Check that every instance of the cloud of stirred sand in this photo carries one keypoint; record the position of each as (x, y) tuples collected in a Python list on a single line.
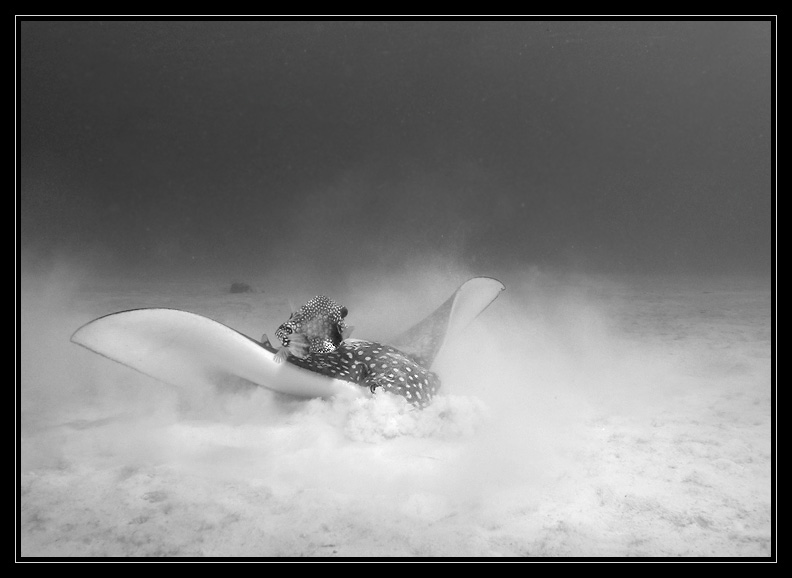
[(520, 386)]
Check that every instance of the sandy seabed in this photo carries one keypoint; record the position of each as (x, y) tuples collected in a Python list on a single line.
[(579, 417)]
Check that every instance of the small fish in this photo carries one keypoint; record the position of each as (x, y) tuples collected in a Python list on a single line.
[(318, 327)]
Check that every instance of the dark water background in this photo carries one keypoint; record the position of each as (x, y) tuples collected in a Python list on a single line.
[(177, 148)]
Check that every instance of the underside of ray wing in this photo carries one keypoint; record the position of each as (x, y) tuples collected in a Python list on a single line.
[(426, 339)]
